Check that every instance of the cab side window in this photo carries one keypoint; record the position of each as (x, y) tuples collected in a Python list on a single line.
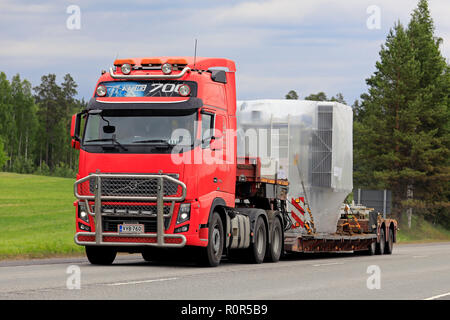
[(207, 128)]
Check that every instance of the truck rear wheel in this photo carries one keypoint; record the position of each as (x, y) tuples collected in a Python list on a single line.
[(276, 244), (382, 244), (212, 254), (100, 255), (390, 242), (258, 247)]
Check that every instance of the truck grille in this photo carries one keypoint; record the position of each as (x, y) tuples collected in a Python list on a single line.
[(138, 187)]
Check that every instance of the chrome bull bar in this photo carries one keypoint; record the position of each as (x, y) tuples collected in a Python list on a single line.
[(160, 198)]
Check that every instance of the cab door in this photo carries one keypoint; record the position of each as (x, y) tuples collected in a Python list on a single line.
[(213, 167)]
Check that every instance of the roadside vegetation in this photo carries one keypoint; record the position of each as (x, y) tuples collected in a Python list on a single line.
[(37, 216), (421, 231)]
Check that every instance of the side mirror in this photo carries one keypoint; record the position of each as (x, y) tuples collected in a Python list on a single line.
[(109, 129), (75, 130), (76, 144)]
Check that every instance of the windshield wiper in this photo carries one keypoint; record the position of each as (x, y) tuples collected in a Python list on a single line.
[(160, 141), (113, 140)]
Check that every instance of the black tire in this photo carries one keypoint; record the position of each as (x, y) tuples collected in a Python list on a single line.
[(258, 247), (372, 248), (212, 254), (147, 255), (275, 247), (382, 244), (370, 251), (153, 254), (100, 255), (389, 243)]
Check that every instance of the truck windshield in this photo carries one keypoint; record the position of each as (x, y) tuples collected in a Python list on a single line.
[(123, 127)]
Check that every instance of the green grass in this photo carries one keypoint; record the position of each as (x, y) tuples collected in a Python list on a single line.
[(37, 218), (421, 231)]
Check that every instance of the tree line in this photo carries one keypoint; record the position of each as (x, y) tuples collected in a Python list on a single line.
[(34, 125), (401, 130)]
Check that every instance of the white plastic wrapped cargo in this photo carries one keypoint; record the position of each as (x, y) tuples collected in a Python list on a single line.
[(307, 137)]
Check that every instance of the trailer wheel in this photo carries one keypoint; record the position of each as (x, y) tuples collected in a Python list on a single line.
[(390, 243), (276, 245), (100, 255), (212, 254), (372, 248), (382, 244), (258, 247)]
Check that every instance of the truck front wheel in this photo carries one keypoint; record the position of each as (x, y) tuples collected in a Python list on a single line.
[(212, 254), (100, 255)]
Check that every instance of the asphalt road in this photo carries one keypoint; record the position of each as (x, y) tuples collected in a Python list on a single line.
[(415, 271)]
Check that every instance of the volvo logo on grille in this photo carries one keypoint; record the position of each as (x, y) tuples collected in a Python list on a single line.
[(132, 185)]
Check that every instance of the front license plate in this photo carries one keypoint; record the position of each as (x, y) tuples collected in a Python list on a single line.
[(130, 228)]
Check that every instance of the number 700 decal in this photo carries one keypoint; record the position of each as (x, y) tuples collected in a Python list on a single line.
[(165, 87)]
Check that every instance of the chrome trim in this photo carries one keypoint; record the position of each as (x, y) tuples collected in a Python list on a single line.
[(149, 76), (159, 199), (130, 198), (115, 234)]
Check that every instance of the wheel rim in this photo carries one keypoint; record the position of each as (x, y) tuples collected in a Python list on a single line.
[(216, 240), (276, 240), (391, 241), (373, 247), (382, 242), (260, 241)]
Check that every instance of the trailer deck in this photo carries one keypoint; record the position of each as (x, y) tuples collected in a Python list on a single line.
[(297, 242)]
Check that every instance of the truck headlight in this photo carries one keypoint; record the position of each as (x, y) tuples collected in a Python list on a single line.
[(82, 212), (184, 213)]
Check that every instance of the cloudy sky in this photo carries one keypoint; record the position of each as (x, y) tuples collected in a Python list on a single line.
[(278, 45)]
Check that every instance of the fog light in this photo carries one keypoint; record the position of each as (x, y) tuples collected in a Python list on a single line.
[(184, 228), (166, 68), (84, 227), (126, 68), (101, 91)]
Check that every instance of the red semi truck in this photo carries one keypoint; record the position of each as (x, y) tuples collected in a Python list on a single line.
[(158, 169)]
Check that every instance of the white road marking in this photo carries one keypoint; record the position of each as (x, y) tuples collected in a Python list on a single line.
[(138, 282), (420, 256), (327, 264), (439, 296)]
